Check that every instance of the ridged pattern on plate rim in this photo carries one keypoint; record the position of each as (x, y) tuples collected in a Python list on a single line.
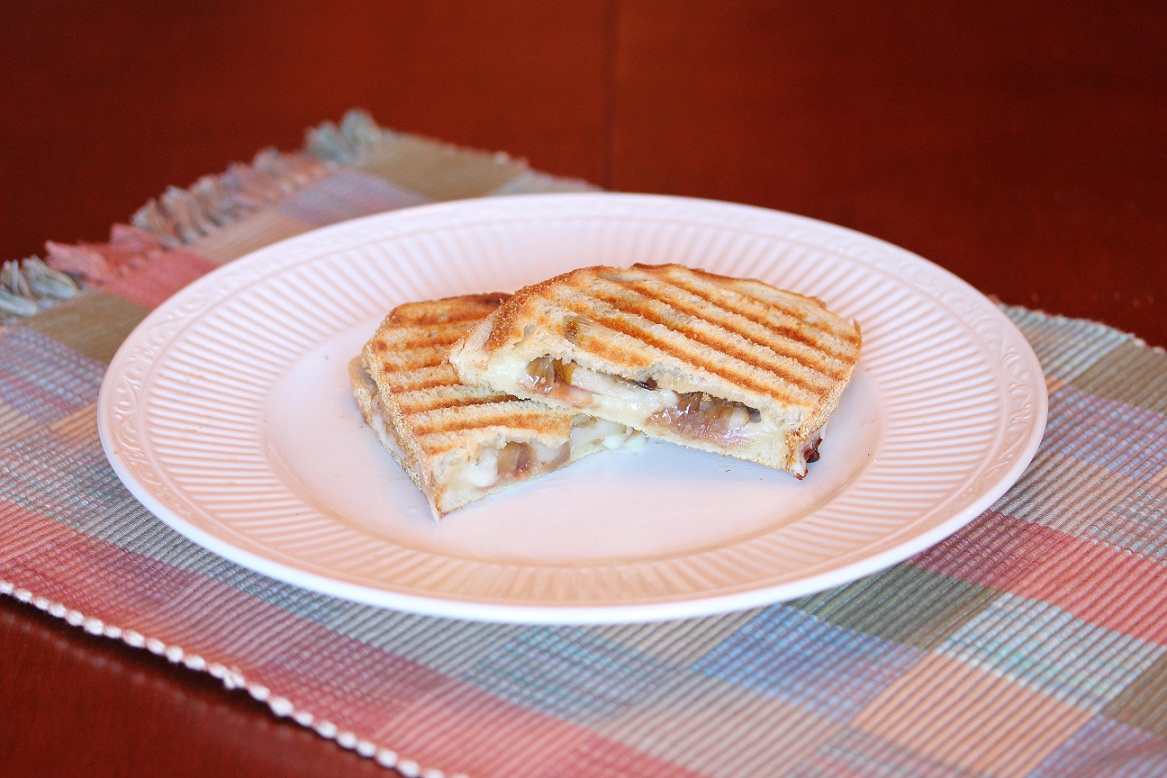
[(948, 446)]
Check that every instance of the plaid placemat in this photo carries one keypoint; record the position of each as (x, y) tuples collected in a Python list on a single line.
[(1031, 643)]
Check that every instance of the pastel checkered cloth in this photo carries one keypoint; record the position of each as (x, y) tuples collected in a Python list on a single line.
[(1032, 643)]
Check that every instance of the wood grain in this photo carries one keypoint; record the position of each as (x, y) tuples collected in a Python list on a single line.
[(74, 704), (107, 104), (1020, 145)]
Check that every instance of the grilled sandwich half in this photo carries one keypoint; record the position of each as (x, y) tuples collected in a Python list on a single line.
[(726, 365), (456, 441)]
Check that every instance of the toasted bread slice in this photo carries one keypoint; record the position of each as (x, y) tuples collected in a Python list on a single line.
[(459, 442), (721, 364)]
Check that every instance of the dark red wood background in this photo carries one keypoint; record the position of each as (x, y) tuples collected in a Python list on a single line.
[(1021, 145)]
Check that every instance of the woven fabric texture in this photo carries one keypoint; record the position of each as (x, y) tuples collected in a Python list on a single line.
[(1031, 643)]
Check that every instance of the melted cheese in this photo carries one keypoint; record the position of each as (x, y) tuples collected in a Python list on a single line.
[(721, 422), (587, 435)]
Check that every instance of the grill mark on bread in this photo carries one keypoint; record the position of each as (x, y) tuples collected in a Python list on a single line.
[(403, 359), (425, 401), (712, 330), (510, 414), (426, 341), (423, 378), (840, 344), (783, 342), (622, 325), (410, 360), (750, 307), (724, 348), (758, 289), (438, 336)]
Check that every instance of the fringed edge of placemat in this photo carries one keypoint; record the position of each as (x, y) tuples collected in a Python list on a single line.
[(231, 678), (31, 285), (28, 286), (181, 216)]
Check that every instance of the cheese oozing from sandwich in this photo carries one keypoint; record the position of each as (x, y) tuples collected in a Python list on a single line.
[(515, 460)]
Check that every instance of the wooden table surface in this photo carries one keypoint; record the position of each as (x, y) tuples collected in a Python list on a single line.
[(1022, 146)]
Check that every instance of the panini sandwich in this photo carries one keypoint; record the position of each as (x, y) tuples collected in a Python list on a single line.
[(459, 442), (727, 365)]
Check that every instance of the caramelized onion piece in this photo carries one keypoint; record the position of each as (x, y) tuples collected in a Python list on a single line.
[(811, 450), (515, 460), (520, 460), (699, 416), (552, 377), (540, 375)]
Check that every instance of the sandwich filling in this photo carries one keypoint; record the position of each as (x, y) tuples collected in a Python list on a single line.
[(693, 415), (516, 460), (513, 460)]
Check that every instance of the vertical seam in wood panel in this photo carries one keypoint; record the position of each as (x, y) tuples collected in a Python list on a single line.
[(611, 42)]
